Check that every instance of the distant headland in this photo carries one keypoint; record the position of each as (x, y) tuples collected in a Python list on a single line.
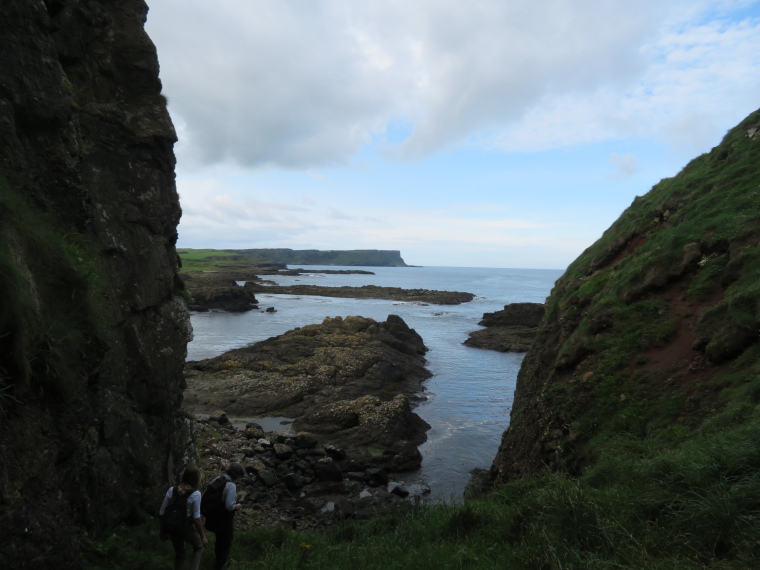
[(349, 257)]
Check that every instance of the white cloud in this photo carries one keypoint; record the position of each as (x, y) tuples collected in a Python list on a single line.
[(625, 165), (257, 86), (300, 84)]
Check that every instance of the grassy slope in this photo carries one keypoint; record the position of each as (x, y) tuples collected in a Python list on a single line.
[(213, 259), (649, 368), (655, 327)]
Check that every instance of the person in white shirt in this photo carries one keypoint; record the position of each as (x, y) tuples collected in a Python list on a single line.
[(194, 533)]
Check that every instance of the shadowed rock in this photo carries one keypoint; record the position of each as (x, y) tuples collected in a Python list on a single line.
[(509, 330)]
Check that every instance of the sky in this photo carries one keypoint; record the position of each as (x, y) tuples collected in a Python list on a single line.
[(486, 133)]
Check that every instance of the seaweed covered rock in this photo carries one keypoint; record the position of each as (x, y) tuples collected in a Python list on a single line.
[(350, 381)]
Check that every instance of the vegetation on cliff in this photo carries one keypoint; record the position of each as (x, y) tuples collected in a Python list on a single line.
[(641, 394), (654, 328), (93, 329), (43, 342), (195, 258)]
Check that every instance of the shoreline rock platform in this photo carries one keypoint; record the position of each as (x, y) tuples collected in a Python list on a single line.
[(510, 330), (350, 382), (295, 480), (427, 296)]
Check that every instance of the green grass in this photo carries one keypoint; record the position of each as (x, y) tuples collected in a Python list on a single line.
[(701, 228), (667, 476), (683, 500), (50, 316), (213, 259)]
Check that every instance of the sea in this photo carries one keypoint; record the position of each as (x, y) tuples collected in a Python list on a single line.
[(468, 399)]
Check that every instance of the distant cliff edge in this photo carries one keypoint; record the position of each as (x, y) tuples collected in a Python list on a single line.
[(358, 257), (93, 326)]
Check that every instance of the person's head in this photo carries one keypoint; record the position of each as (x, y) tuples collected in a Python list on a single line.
[(236, 471), (192, 476)]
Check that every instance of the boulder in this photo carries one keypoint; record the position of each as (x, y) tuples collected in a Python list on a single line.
[(327, 470)]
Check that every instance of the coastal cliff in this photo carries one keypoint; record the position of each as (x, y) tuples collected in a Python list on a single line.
[(365, 257), (654, 328), (93, 326)]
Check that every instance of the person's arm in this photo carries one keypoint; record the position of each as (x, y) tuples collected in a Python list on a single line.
[(196, 513), (201, 531), (167, 497), (230, 494)]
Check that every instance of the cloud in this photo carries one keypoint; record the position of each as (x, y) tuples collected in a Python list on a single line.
[(302, 85), (625, 164), (699, 77)]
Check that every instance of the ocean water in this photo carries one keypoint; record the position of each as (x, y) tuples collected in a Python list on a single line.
[(468, 399)]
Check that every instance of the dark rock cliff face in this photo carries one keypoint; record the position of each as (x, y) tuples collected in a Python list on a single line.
[(93, 329), (655, 326)]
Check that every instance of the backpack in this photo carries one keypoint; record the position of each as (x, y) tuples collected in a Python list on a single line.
[(212, 504), (174, 521)]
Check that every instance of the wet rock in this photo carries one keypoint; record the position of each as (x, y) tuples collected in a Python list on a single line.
[(304, 441), (327, 470), (399, 491), (293, 481), (282, 470), (267, 477), (283, 451), (376, 477), (217, 291), (509, 330), (219, 417), (420, 296), (334, 452)]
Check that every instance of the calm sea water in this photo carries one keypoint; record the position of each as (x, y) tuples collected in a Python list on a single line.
[(469, 397)]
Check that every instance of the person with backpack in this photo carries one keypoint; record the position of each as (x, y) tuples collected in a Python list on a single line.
[(180, 517), (219, 506)]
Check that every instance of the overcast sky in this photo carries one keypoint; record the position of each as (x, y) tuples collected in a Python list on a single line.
[(490, 133)]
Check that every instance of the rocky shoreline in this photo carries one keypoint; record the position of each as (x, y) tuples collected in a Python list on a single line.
[(295, 480), (426, 296), (350, 382), (221, 290), (510, 330), (350, 386)]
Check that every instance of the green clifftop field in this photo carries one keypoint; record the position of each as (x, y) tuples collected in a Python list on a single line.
[(202, 258), (635, 434)]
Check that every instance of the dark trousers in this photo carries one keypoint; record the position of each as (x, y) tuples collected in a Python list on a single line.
[(223, 544)]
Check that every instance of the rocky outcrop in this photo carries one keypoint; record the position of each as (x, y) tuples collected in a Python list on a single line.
[(653, 327), (219, 290), (351, 382), (368, 292), (510, 330), (93, 327), (296, 480), (365, 257)]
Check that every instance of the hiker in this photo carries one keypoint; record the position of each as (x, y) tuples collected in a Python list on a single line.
[(183, 525), (219, 508)]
